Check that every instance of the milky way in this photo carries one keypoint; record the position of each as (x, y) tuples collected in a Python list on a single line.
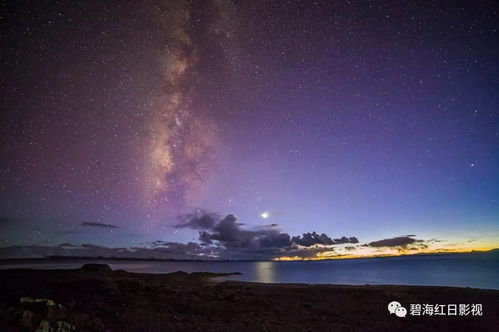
[(183, 139)]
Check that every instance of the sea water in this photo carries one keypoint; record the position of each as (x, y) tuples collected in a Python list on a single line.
[(461, 270)]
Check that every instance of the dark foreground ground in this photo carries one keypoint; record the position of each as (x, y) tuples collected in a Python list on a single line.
[(95, 298)]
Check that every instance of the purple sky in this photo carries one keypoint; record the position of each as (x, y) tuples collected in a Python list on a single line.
[(366, 119)]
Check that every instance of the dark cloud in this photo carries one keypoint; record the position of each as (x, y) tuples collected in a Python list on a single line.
[(435, 241), (229, 234), (399, 241), (236, 245), (97, 224), (345, 239), (418, 247), (310, 239), (198, 220), (158, 243), (230, 240)]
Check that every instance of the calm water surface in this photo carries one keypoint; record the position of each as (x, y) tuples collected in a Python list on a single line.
[(478, 271)]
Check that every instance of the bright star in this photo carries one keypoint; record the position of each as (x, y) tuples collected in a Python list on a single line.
[(265, 215)]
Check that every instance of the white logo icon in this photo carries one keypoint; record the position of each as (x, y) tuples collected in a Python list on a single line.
[(392, 306), (400, 312), (396, 308)]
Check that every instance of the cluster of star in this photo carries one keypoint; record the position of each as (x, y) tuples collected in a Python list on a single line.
[(329, 116)]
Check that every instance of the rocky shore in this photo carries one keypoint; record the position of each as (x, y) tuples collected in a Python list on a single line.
[(95, 298)]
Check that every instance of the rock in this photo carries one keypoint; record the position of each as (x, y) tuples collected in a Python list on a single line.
[(38, 306), (65, 327), (44, 326), (96, 268), (29, 320), (121, 273), (59, 326), (46, 302)]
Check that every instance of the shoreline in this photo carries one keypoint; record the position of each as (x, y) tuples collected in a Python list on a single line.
[(96, 298), (492, 251)]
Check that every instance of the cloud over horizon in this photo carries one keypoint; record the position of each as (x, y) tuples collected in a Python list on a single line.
[(398, 241), (232, 240), (225, 238), (309, 239)]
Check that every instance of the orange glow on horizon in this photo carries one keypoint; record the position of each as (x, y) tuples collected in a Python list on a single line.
[(322, 256)]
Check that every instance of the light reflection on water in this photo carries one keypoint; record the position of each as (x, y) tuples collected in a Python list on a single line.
[(264, 271), (479, 271)]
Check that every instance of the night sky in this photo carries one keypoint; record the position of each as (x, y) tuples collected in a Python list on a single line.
[(237, 128)]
